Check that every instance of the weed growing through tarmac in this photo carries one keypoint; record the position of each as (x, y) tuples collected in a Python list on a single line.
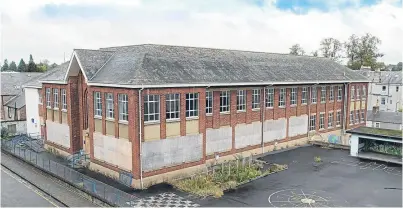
[(317, 159)]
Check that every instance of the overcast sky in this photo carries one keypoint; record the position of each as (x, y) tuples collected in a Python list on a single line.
[(49, 29)]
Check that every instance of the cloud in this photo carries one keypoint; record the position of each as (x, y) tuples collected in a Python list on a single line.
[(48, 30)]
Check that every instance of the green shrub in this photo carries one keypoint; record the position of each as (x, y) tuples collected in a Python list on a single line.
[(317, 159), (200, 185)]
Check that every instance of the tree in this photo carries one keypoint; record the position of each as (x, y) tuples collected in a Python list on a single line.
[(362, 51), (53, 66), (31, 65), (380, 65), (398, 67), (331, 48), (5, 66), (13, 66), (296, 49), (352, 48), (22, 67), (315, 53)]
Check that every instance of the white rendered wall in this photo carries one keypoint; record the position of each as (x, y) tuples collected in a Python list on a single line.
[(353, 145), (32, 113), (218, 140), (58, 133), (274, 129), (248, 134), (298, 125)]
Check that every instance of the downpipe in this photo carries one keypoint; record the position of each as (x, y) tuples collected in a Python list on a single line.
[(263, 116), (140, 138), (343, 130)]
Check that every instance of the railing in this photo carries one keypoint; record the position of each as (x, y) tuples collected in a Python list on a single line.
[(95, 188)]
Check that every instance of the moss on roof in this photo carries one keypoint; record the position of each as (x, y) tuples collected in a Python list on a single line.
[(378, 131)]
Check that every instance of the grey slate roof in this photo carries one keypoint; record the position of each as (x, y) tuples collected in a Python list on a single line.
[(385, 117), (11, 82), (383, 77), (55, 74), (161, 64), (16, 102)]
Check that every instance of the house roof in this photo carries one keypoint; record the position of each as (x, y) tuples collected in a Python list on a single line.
[(11, 82), (385, 117), (383, 77), (379, 132), (55, 74), (16, 102), (179, 65)]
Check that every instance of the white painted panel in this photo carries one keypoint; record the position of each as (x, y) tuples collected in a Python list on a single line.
[(353, 145), (274, 129), (58, 133), (298, 125), (218, 140), (248, 134), (33, 124)]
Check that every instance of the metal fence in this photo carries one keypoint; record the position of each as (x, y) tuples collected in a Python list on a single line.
[(106, 193)]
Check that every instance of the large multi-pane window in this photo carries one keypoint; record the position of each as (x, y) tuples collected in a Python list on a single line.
[(331, 93), (109, 105), (304, 95), (323, 94), (192, 105), (97, 104), (358, 93), (209, 102), (312, 123), (48, 103), (293, 95), (123, 107), (357, 117), (270, 97), (338, 118), (151, 108), (321, 120), (362, 115), (241, 100), (351, 117), (281, 98), (256, 99), (56, 98), (64, 99), (339, 93), (224, 101), (364, 93), (172, 106), (314, 94), (352, 93), (330, 120)]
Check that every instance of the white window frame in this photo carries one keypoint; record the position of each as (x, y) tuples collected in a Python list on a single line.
[(110, 112), (331, 93), (339, 93), (357, 117), (364, 93), (123, 105), (314, 94), (304, 95), (56, 99), (192, 105), (321, 121), (338, 118), (209, 102), (172, 106), (330, 119), (383, 101), (152, 100), (97, 104), (323, 94), (255, 99), (225, 97), (270, 98), (397, 88), (312, 122), (64, 99), (40, 96), (281, 97), (377, 124), (351, 117), (358, 97), (352, 93), (241, 100), (362, 118), (293, 96), (48, 101)]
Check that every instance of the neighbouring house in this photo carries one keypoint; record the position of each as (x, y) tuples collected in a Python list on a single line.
[(158, 111), (385, 120), (385, 89), (13, 112)]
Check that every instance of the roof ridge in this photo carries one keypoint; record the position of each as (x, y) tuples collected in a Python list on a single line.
[(95, 50)]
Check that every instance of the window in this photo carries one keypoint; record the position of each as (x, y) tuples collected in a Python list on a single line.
[(383, 88), (270, 97), (314, 94), (172, 106), (241, 100), (64, 99), (97, 104), (224, 101), (293, 99), (123, 107), (56, 98), (352, 93), (377, 125), (383, 100), (312, 123), (304, 95), (48, 103), (358, 93), (40, 96), (351, 117), (364, 93), (256, 99), (109, 105), (330, 120), (339, 93), (338, 118), (331, 93), (362, 116), (151, 108), (209, 102), (397, 88), (357, 116), (390, 101), (281, 99), (192, 105), (323, 94), (321, 120)]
